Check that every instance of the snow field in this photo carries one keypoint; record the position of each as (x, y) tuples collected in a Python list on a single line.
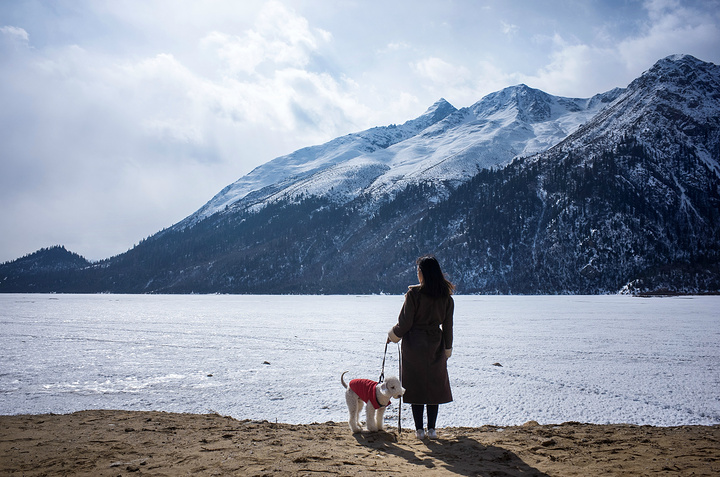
[(598, 359)]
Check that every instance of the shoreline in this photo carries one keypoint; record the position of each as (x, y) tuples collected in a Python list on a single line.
[(112, 443)]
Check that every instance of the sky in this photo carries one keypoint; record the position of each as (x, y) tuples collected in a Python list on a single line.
[(119, 118)]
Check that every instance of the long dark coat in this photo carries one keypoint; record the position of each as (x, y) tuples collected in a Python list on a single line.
[(425, 326)]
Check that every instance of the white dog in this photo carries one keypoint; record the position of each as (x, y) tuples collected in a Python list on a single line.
[(376, 396)]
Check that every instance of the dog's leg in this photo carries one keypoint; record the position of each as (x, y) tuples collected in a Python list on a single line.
[(352, 403), (370, 412), (360, 405), (379, 418)]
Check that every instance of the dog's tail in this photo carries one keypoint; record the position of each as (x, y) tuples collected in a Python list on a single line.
[(342, 379)]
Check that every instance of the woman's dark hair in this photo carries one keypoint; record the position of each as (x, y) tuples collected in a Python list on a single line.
[(434, 282)]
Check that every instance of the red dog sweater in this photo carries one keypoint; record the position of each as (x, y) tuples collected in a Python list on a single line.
[(365, 389)]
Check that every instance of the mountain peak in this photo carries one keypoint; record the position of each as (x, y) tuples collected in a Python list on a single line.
[(680, 76), (680, 58), (442, 102), (522, 88), (439, 110), (523, 102), (679, 69), (679, 63)]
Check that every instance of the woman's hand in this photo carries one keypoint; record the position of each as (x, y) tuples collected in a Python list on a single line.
[(392, 337)]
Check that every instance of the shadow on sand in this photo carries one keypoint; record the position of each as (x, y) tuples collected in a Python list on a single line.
[(460, 455)]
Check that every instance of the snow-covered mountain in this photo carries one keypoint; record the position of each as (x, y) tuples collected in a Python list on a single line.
[(443, 146), (634, 192), (280, 175), (522, 192), (677, 96)]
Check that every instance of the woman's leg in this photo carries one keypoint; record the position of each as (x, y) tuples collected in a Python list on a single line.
[(432, 411), (417, 410)]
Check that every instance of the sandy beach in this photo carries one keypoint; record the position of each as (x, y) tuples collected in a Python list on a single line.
[(114, 443)]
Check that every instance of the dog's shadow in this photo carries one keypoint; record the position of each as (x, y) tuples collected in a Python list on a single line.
[(460, 455)]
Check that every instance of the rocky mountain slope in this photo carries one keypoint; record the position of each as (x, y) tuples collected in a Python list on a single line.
[(522, 192)]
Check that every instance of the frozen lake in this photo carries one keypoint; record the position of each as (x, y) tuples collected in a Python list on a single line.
[(597, 359)]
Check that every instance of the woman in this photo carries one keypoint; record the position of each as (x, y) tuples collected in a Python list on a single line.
[(425, 326)]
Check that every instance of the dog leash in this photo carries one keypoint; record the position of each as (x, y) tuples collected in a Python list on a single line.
[(382, 370), (400, 400), (382, 377)]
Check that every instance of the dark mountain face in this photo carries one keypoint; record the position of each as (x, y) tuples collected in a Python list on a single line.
[(630, 201), (50, 259), (41, 271)]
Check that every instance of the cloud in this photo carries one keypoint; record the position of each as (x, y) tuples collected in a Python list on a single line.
[(509, 29), (80, 167), (279, 39), (129, 144), (574, 69), (674, 27), (490, 78), (16, 33), (394, 46), (443, 79), (440, 71), (583, 68), (269, 77), (259, 77)]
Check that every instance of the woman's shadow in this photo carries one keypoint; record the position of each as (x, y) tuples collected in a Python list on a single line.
[(461, 455)]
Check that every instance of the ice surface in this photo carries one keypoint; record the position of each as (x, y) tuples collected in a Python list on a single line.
[(599, 359)]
